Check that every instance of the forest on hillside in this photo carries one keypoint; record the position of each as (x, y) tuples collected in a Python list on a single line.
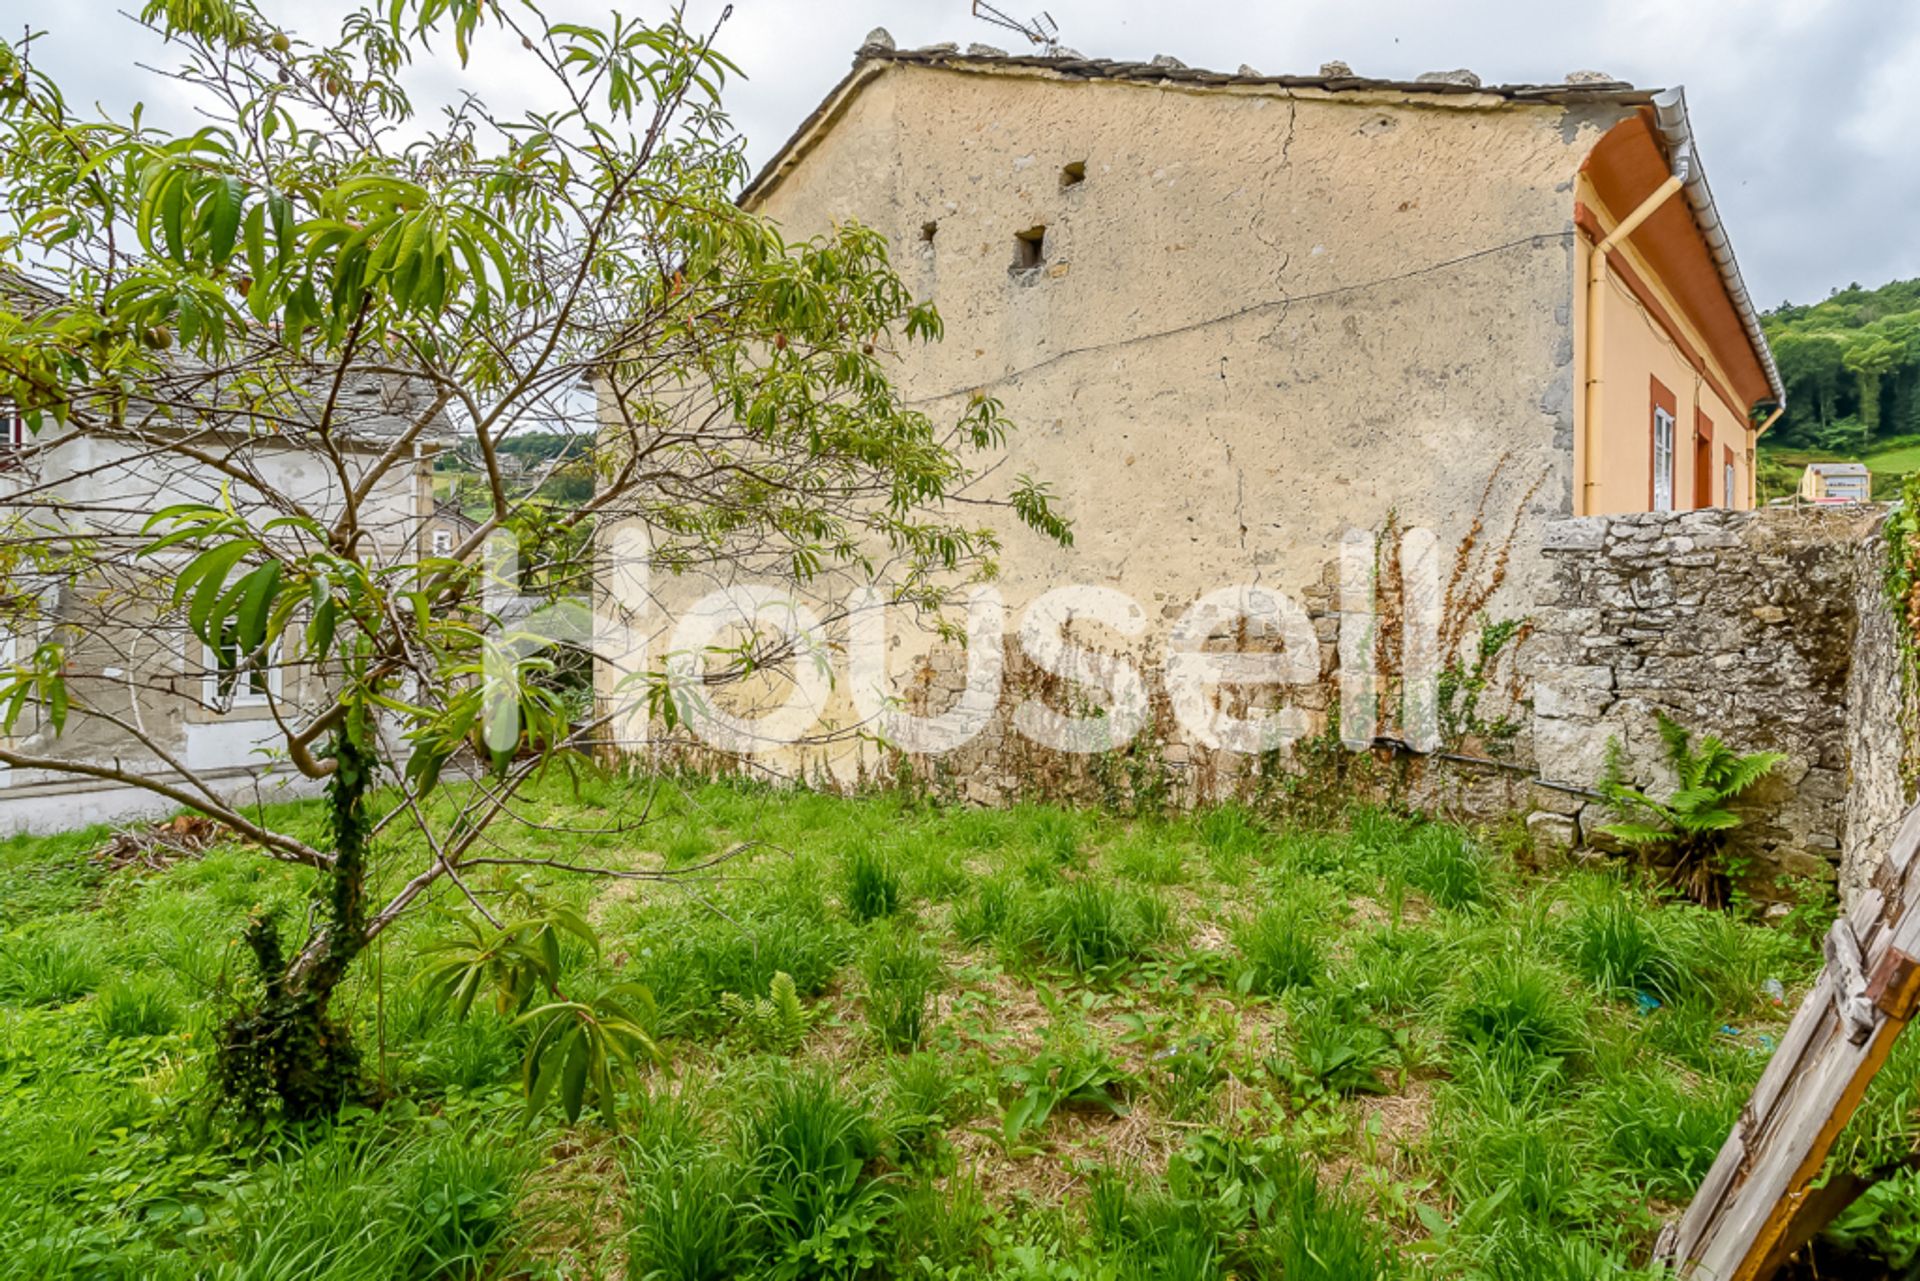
[(1852, 369)]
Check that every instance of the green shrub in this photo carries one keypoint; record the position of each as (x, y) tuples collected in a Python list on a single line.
[(899, 975), (1687, 830), (871, 888)]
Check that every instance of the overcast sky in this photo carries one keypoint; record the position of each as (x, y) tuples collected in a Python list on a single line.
[(1807, 111)]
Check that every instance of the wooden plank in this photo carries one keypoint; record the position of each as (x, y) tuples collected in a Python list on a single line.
[(1756, 1205)]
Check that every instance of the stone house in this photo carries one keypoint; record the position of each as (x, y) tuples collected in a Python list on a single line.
[(128, 656)]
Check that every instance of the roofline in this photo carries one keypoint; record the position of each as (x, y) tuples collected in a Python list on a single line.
[(1676, 132), (872, 60), (1669, 108)]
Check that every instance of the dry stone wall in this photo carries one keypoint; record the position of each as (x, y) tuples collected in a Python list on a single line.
[(1767, 628)]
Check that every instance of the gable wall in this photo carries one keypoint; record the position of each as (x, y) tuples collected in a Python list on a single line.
[(1194, 447)]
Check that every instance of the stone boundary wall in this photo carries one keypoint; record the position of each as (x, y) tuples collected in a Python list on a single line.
[(1768, 628)]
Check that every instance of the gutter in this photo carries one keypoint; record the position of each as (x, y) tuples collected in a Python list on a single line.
[(1676, 131)]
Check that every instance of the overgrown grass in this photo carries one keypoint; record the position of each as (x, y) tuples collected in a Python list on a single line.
[(1033, 1043)]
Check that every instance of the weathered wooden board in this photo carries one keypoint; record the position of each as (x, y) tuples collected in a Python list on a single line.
[(1754, 1208)]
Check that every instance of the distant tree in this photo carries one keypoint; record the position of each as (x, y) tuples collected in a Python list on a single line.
[(310, 230), (1869, 360), (1851, 365)]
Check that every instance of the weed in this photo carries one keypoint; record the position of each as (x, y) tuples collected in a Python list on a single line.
[(1090, 926), (1280, 949), (871, 888), (1618, 945), (1312, 1234), (137, 1006), (688, 1216), (1335, 1050), (899, 975), (1515, 1011), (1447, 866), (1145, 855), (1072, 1071), (819, 1209), (926, 1096), (1394, 968), (992, 914), (775, 1023), (48, 967)]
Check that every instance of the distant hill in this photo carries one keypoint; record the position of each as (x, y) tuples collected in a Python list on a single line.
[(1851, 365)]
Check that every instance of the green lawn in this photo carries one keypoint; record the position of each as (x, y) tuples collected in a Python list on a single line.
[(1028, 1044)]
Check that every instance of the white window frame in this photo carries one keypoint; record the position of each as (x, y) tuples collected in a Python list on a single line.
[(224, 688), (1663, 433), (1727, 469), (14, 436)]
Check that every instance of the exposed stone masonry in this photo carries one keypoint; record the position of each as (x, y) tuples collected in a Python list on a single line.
[(1748, 625)]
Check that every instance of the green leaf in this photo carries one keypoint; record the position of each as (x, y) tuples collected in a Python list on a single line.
[(573, 1084), (255, 602)]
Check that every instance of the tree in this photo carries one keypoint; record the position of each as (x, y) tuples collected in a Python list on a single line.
[(197, 303), (1869, 360)]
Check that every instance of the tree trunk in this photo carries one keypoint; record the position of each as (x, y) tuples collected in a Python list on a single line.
[(286, 1055)]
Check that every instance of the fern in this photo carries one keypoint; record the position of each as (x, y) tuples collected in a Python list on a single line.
[(1688, 828), (775, 1023)]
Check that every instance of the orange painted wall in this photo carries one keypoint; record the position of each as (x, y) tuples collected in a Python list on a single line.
[(1639, 345)]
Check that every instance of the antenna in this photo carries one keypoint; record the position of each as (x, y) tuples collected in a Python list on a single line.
[(1042, 30)]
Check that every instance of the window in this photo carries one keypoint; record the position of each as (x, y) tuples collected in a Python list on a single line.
[(232, 681), (14, 435), (1727, 472), (442, 542), (1662, 459)]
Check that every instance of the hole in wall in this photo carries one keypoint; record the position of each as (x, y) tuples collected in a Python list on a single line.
[(1030, 249), (928, 230), (1073, 175)]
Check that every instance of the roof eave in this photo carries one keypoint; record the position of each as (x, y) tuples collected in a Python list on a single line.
[(1676, 133)]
